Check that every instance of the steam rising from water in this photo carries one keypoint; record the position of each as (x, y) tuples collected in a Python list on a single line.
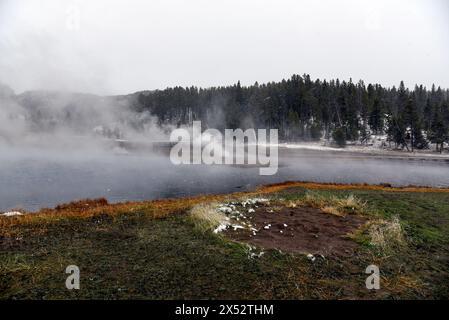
[(69, 121), (36, 179), (58, 147)]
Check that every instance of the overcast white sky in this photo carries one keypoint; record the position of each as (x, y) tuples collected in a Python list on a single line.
[(118, 46)]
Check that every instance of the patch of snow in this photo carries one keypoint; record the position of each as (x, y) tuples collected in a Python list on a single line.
[(311, 257), (376, 145), (310, 146), (12, 214), (254, 201), (255, 255), (221, 227), (225, 209)]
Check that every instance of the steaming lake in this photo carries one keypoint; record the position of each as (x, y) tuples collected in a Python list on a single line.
[(32, 180)]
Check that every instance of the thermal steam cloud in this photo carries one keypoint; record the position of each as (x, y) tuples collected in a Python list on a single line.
[(59, 120)]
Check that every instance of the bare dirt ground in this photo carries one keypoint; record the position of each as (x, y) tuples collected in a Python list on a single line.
[(301, 230)]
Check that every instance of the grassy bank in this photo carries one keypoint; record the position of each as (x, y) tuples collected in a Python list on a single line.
[(159, 250)]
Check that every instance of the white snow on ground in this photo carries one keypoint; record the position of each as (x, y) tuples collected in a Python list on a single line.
[(12, 213), (377, 145), (233, 214), (253, 255), (221, 227), (310, 146), (311, 257), (254, 201), (225, 209)]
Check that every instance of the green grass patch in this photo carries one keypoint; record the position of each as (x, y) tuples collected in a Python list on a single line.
[(134, 255)]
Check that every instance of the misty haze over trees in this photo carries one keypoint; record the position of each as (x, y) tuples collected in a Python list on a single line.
[(305, 110), (301, 108)]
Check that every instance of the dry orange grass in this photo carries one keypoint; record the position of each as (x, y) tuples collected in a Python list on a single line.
[(91, 208), (161, 208), (334, 186)]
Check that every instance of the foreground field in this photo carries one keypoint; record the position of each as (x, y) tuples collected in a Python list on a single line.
[(289, 241)]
